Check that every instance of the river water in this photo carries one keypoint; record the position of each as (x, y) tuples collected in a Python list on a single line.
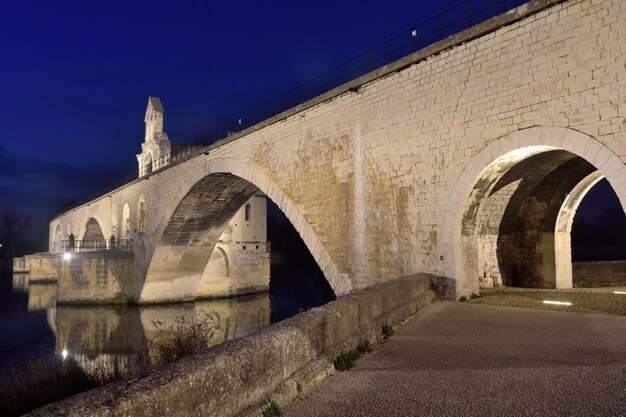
[(32, 326)]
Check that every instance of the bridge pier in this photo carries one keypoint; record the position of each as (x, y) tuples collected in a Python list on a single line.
[(98, 277)]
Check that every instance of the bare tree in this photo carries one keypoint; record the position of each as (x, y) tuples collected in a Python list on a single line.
[(14, 225)]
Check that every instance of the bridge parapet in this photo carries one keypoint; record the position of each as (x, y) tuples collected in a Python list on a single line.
[(64, 246)]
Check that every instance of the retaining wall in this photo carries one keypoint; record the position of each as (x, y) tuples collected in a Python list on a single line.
[(43, 266), (239, 377), (599, 273)]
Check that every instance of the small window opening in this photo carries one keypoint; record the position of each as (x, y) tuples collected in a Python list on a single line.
[(247, 212)]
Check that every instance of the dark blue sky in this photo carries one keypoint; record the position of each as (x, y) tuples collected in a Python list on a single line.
[(76, 75)]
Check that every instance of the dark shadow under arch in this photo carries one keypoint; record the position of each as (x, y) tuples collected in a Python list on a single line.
[(191, 234), (93, 238)]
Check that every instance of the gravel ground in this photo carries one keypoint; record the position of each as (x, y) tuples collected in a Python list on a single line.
[(464, 359)]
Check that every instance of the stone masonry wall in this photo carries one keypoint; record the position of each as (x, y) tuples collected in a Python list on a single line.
[(96, 277), (374, 178), (43, 266), (599, 274)]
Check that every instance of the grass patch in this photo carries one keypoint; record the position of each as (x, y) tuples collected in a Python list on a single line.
[(27, 385), (347, 360), (364, 347), (388, 331), (183, 338), (30, 385), (272, 410)]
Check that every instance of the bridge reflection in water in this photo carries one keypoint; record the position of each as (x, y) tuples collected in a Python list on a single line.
[(100, 337)]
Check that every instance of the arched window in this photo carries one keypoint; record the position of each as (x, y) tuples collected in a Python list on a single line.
[(114, 220), (126, 222), (141, 215), (58, 237), (246, 214)]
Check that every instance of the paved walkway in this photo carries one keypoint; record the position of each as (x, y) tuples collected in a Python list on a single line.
[(464, 359)]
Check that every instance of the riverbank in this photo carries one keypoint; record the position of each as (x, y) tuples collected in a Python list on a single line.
[(245, 374)]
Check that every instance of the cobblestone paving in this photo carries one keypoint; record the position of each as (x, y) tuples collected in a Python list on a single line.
[(584, 300)]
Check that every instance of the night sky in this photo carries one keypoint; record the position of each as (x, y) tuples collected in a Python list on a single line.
[(76, 75)]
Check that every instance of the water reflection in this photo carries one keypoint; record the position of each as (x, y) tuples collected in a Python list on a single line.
[(21, 282), (96, 337), (42, 296)]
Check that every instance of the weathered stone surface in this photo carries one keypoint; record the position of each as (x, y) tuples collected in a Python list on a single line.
[(96, 277), (243, 373), (599, 274), (43, 266)]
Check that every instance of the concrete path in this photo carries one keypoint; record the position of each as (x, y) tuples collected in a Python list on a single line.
[(463, 359)]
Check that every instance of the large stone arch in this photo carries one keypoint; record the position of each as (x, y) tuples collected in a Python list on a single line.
[(492, 171), (211, 197)]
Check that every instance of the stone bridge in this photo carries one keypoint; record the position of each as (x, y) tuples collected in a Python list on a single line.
[(466, 160)]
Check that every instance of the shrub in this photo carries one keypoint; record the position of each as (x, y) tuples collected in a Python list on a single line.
[(347, 360), (363, 347), (26, 385), (388, 331), (30, 385), (272, 410), (187, 336)]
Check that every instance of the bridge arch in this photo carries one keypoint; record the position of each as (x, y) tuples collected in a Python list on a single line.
[(216, 275), (92, 236), (509, 215), (211, 197), (125, 222)]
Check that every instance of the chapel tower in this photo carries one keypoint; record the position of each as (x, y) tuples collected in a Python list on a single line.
[(156, 148)]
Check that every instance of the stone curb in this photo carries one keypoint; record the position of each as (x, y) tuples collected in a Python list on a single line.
[(313, 374)]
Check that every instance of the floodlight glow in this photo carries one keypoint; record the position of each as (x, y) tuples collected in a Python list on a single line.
[(64, 353), (619, 292), (558, 303), (67, 256)]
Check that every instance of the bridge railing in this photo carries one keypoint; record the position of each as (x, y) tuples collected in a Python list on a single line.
[(454, 19), (82, 245), (182, 152)]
